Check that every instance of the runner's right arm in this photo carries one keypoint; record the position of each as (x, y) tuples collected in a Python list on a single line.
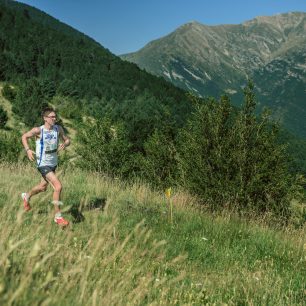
[(34, 132)]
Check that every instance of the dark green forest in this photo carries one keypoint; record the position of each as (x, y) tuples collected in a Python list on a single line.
[(131, 124), (44, 62)]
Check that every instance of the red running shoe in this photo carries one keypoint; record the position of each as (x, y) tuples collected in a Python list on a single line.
[(61, 221), (26, 204)]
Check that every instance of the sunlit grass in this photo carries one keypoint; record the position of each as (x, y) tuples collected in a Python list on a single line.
[(125, 250)]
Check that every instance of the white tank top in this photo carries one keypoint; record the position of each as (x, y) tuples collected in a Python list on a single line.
[(46, 147)]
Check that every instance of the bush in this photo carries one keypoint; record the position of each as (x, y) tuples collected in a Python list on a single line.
[(9, 92), (158, 163), (10, 146), (68, 108), (3, 118), (30, 100), (103, 147), (231, 158)]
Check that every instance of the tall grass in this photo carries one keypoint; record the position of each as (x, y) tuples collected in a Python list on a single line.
[(126, 252)]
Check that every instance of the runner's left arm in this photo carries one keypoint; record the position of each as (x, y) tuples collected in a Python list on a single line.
[(35, 132), (64, 138)]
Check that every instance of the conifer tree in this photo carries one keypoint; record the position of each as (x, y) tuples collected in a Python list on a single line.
[(232, 158)]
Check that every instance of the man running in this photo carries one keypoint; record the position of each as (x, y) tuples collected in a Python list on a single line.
[(47, 139)]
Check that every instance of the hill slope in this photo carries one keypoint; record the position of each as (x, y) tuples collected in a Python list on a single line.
[(128, 252), (44, 19), (211, 60)]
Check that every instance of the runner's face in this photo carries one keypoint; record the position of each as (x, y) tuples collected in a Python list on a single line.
[(51, 118)]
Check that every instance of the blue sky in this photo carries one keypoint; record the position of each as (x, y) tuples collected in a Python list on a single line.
[(125, 26)]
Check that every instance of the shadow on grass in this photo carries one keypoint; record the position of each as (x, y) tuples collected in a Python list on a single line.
[(96, 204), (76, 215), (76, 211)]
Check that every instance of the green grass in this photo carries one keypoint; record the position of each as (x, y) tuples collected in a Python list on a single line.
[(130, 253)]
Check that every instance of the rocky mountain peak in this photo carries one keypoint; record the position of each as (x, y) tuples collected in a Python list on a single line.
[(282, 22), (211, 60)]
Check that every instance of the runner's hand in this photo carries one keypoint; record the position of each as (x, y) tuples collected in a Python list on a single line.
[(61, 147), (31, 154)]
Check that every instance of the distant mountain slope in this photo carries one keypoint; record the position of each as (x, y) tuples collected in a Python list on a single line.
[(211, 60)]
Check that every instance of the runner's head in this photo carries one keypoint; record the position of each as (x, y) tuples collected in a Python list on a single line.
[(49, 116)]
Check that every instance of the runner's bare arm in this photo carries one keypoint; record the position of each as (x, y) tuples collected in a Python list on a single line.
[(65, 138), (34, 132)]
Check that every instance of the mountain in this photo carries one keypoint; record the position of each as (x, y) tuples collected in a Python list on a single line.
[(212, 60)]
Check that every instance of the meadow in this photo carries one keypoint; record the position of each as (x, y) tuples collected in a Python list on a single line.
[(122, 248)]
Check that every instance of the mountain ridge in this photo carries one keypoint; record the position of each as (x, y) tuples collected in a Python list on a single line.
[(212, 60)]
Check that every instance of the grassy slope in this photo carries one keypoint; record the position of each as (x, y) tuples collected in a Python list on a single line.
[(131, 253)]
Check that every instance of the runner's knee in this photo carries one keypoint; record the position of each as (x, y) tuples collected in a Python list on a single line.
[(43, 188), (58, 187)]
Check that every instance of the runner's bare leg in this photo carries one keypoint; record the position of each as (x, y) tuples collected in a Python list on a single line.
[(41, 187), (57, 188)]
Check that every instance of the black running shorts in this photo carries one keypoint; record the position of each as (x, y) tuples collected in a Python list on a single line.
[(44, 170)]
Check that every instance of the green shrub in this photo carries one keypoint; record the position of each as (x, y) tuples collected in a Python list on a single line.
[(8, 92), (158, 163), (103, 147), (3, 118), (31, 99), (10, 146), (68, 107), (232, 158)]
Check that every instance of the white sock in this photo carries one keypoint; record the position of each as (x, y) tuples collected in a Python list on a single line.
[(58, 215), (26, 195), (55, 202)]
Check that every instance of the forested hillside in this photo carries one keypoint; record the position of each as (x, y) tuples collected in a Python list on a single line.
[(46, 63)]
